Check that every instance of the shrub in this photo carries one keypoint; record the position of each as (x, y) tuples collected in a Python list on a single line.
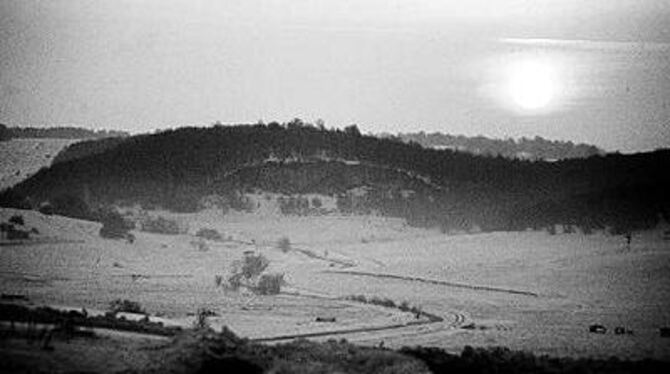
[(382, 302), (359, 298), (161, 225), (12, 233), (270, 284), (71, 206), (254, 265), (17, 220), (209, 234), (293, 205), (416, 310), (214, 202), (114, 226), (201, 318), (388, 303), (551, 229), (284, 244), (248, 273), (127, 306), (16, 234), (234, 282), (316, 203), (46, 209), (200, 245), (587, 230), (375, 300), (241, 203)]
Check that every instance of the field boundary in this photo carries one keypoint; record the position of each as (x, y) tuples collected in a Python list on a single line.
[(432, 281)]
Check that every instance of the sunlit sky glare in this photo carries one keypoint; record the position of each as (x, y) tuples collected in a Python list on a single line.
[(595, 71)]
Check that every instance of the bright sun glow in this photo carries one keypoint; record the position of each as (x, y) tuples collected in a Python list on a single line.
[(531, 84)]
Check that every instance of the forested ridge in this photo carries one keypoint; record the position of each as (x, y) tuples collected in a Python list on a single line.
[(536, 148), (453, 190)]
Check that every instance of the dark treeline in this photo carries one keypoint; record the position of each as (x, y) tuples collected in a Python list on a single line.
[(537, 148), (61, 132), (443, 188)]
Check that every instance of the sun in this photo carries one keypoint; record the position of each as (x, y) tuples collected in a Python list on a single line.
[(531, 85)]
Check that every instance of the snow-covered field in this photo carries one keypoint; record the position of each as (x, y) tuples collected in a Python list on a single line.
[(529, 291), (20, 158)]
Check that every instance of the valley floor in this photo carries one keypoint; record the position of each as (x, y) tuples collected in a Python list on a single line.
[(527, 291)]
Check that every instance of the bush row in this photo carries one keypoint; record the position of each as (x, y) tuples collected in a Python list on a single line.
[(19, 313), (388, 303)]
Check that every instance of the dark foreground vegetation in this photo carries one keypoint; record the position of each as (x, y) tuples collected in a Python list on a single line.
[(302, 356), (178, 169), (204, 351), (503, 360)]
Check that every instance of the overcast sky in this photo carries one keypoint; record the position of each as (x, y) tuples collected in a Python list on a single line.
[(386, 65)]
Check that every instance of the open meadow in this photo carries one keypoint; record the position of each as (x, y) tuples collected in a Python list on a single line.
[(527, 291)]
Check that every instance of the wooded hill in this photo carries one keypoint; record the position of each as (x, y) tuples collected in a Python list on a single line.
[(536, 148), (175, 169)]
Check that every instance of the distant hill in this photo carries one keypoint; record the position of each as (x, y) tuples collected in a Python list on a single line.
[(65, 132), (452, 190), (537, 148)]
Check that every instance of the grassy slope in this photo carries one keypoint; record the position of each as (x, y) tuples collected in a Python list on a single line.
[(20, 158), (69, 264)]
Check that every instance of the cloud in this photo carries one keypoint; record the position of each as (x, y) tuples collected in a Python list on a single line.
[(583, 44)]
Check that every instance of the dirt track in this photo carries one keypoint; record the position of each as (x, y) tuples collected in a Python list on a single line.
[(458, 319)]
